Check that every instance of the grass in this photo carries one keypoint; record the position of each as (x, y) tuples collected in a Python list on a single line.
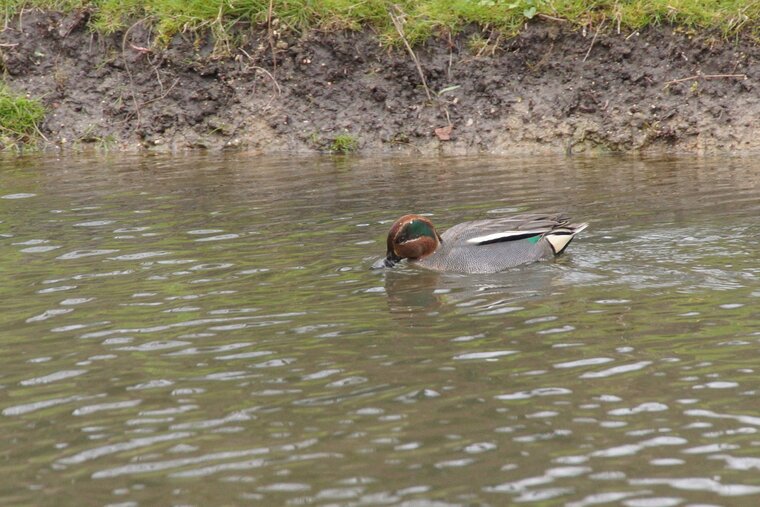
[(344, 143), (421, 18), (19, 118)]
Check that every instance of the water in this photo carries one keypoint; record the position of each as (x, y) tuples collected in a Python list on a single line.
[(206, 331)]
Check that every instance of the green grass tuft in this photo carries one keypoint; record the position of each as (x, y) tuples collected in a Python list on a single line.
[(344, 143), (19, 118), (421, 18)]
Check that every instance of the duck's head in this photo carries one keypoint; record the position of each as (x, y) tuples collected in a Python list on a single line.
[(411, 237)]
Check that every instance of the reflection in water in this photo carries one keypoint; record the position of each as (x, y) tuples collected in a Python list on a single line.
[(413, 290), (169, 319)]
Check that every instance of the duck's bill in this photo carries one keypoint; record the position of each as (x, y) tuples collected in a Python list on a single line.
[(385, 262)]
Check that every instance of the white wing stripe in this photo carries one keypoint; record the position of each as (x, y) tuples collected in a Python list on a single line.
[(503, 235)]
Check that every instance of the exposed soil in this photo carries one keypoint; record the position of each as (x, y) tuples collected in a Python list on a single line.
[(548, 90)]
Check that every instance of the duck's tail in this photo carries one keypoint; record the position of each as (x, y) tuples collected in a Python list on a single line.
[(560, 237)]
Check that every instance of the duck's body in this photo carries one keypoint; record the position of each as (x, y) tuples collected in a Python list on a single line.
[(481, 246)]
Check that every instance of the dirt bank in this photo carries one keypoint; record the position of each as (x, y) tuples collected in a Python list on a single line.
[(550, 89)]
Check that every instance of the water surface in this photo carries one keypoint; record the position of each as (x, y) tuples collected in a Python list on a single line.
[(207, 331)]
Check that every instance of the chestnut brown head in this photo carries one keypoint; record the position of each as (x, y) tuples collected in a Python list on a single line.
[(411, 237)]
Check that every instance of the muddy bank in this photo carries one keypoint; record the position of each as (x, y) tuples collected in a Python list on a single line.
[(548, 90)]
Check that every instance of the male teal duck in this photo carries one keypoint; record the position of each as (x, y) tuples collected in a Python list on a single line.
[(481, 246)]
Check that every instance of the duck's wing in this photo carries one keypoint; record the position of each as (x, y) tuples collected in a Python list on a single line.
[(555, 227), (503, 229)]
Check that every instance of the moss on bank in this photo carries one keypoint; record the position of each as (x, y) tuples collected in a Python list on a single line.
[(421, 18)]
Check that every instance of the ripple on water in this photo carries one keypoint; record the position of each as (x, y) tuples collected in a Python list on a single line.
[(60, 288), (584, 362), (151, 467), (654, 501), (244, 355), (151, 384), (320, 374), (488, 356), (53, 377), (643, 408), (631, 449), (48, 314), (616, 370), (717, 385), (155, 345), (607, 497), (139, 256), (40, 249), (108, 406), (710, 448), (219, 237), (700, 484), (745, 419), (134, 443), (26, 408), (541, 391), (201, 232), (79, 254), (94, 223), (211, 349), (555, 330), (17, 196)]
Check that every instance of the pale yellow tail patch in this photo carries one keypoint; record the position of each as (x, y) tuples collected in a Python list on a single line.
[(560, 241)]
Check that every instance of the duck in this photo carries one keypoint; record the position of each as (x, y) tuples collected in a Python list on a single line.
[(480, 246)]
